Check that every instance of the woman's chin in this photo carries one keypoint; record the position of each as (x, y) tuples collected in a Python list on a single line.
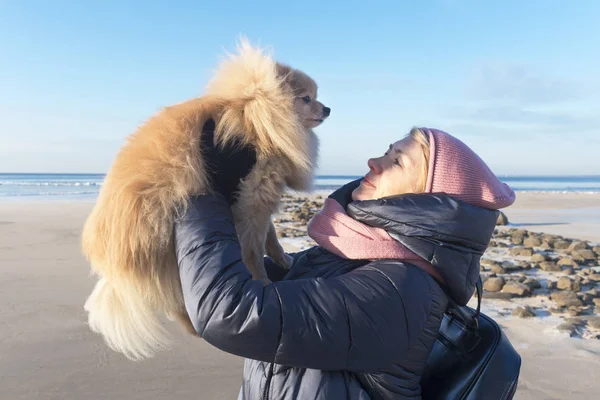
[(361, 193)]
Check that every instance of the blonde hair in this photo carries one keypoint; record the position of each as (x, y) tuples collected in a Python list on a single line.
[(423, 140)]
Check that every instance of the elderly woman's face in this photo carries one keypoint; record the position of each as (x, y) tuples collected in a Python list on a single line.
[(400, 170)]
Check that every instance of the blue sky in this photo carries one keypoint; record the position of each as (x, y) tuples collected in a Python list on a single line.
[(518, 81)]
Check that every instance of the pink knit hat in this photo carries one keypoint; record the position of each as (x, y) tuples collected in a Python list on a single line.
[(456, 170)]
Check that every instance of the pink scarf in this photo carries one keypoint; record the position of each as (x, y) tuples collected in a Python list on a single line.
[(333, 229)]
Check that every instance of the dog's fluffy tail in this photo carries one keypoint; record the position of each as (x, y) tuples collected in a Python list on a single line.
[(125, 320)]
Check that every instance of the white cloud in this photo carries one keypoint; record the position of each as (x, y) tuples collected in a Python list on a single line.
[(522, 85), (518, 98), (521, 121)]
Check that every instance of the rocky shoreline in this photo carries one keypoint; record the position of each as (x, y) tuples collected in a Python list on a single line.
[(295, 212), (561, 274), (526, 274)]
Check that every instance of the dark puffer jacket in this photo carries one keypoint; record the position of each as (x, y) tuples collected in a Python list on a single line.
[(332, 328)]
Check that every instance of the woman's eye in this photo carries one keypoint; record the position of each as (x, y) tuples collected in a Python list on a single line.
[(397, 162), (306, 99)]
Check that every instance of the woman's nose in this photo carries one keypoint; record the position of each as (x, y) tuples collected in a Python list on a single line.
[(374, 165)]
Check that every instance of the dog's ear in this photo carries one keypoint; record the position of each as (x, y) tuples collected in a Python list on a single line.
[(261, 95), (283, 71)]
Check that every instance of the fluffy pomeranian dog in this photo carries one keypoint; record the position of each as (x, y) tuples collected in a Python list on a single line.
[(128, 237)]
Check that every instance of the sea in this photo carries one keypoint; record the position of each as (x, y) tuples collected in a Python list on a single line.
[(87, 186)]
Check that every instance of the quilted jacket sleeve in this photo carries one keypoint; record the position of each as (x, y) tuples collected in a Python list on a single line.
[(354, 322)]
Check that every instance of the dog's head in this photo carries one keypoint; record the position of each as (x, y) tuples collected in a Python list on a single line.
[(268, 104), (310, 111)]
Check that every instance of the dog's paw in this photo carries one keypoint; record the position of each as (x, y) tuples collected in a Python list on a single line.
[(287, 261), (265, 281), (282, 259)]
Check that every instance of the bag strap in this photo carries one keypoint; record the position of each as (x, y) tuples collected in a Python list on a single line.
[(469, 319), (479, 287)]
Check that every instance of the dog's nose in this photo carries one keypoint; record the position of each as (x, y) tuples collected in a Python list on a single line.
[(326, 111)]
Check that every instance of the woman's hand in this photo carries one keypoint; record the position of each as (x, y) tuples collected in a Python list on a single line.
[(226, 166)]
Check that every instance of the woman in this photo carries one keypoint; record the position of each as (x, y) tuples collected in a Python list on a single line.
[(357, 315)]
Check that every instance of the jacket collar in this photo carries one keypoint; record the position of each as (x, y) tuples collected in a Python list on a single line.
[(450, 234)]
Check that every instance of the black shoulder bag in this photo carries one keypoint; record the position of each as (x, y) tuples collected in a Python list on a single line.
[(471, 359)]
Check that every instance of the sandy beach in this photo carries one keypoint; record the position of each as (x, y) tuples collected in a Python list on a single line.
[(568, 214), (47, 351)]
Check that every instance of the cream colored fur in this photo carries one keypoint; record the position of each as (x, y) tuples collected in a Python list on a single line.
[(128, 236)]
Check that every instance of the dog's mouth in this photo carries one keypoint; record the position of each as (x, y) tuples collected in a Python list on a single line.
[(318, 120)]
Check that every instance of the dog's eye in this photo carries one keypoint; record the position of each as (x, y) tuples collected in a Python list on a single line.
[(306, 99)]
